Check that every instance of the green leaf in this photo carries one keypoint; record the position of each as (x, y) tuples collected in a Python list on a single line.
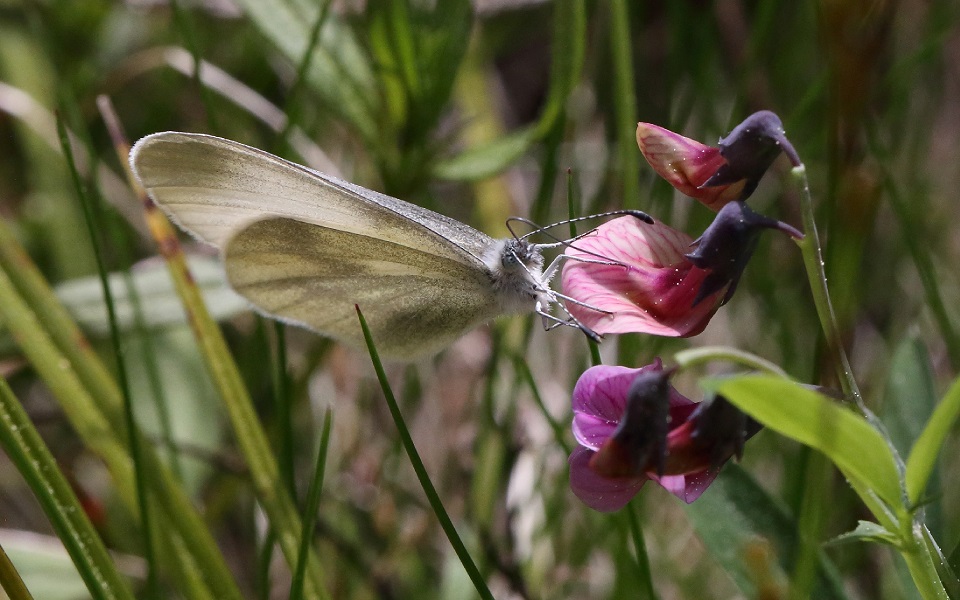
[(340, 71), (924, 454), (569, 49), (734, 513), (910, 395), (819, 422), (486, 160), (83, 298), (36, 464), (46, 567), (867, 531)]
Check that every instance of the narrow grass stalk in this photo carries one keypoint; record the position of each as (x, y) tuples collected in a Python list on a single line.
[(527, 375), (640, 546), (10, 580), (310, 511), (133, 433), (182, 23), (90, 398), (428, 489), (98, 422), (251, 438), (290, 107), (36, 464)]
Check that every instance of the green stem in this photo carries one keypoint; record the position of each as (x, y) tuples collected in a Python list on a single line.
[(133, 434), (817, 276), (813, 261), (625, 104), (643, 561), (21, 442), (10, 580), (922, 567), (428, 489), (699, 356)]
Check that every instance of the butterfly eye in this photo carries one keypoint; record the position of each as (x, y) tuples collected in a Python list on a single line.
[(509, 260)]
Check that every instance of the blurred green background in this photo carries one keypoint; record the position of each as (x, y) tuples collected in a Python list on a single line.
[(479, 111)]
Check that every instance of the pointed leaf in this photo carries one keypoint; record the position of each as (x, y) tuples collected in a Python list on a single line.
[(924, 454), (339, 72), (813, 419), (867, 531), (910, 395), (487, 159)]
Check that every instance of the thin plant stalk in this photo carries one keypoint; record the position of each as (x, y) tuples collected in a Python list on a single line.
[(310, 512), (133, 432), (26, 449), (817, 276), (639, 545), (428, 489), (251, 438), (914, 551), (10, 580)]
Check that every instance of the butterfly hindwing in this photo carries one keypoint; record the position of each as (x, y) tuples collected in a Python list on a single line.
[(414, 301)]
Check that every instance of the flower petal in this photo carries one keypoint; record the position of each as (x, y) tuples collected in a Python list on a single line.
[(600, 493), (599, 398), (652, 287), (686, 164), (687, 487)]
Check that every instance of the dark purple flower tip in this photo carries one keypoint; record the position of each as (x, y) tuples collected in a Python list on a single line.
[(640, 440), (749, 150), (721, 429), (726, 246)]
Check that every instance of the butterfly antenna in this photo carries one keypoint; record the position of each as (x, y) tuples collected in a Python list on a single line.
[(613, 213)]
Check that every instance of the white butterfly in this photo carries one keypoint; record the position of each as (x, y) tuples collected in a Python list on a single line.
[(305, 247)]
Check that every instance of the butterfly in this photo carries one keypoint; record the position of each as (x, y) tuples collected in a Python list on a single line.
[(306, 248)]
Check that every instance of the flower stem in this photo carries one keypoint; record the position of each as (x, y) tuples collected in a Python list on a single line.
[(643, 562), (817, 276), (705, 354), (813, 261), (922, 568)]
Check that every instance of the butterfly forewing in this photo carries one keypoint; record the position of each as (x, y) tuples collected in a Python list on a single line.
[(414, 301), (212, 187)]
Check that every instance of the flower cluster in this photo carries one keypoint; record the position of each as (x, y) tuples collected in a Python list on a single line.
[(632, 425), (629, 275)]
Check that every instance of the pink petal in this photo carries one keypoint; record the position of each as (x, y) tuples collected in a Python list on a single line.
[(652, 288), (600, 493), (687, 487), (599, 398), (686, 164)]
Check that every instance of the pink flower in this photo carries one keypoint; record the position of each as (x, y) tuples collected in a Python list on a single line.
[(639, 277), (686, 164), (633, 426), (717, 175), (630, 275)]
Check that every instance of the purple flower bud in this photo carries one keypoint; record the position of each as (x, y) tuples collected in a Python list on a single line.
[(727, 245), (749, 150)]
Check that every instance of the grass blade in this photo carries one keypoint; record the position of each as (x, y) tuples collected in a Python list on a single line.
[(422, 476), (250, 436), (26, 449), (133, 433), (310, 512)]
